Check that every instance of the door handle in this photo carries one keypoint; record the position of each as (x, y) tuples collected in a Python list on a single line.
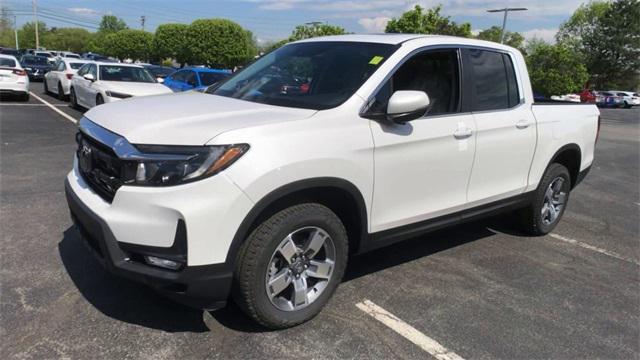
[(462, 133), (523, 124)]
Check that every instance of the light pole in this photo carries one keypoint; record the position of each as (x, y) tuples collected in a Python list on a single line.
[(35, 14), (504, 19), (15, 30)]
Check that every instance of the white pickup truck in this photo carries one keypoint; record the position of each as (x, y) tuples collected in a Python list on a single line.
[(264, 185)]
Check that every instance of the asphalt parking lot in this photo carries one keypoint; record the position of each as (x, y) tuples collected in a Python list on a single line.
[(482, 290)]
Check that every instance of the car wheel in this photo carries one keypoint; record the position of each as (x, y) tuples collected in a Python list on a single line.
[(25, 97), (549, 201), (290, 265), (626, 105), (73, 99), (61, 95), (99, 100), (46, 88)]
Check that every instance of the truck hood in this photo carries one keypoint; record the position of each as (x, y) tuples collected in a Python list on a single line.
[(188, 118)]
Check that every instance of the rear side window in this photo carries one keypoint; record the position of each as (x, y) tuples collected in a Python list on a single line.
[(7, 62), (493, 85)]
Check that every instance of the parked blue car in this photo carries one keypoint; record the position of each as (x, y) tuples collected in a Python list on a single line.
[(194, 78)]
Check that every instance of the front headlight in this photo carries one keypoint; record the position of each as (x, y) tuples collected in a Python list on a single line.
[(173, 165), (117, 95)]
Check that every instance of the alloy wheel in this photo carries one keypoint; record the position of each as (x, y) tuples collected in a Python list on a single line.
[(555, 199), (300, 268)]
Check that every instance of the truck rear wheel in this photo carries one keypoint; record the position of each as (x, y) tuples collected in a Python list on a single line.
[(290, 265), (549, 202)]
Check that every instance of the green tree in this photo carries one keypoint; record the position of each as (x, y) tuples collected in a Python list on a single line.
[(555, 69), (111, 24), (27, 34), (129, 44), (315, 30), (613, 51), (417, 21), (7, 36), (220, 43), (494, 33), (68, 39), (606, 35), (170, 40)]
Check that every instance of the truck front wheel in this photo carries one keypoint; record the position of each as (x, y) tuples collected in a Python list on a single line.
[(290, 265), (549, 201)]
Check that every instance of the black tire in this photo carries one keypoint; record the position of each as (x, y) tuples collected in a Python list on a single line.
[(46, 88), (25, 97), (626, 105), (72, 99), (61, 95), (99, 100), (534, 221), (255, 256)]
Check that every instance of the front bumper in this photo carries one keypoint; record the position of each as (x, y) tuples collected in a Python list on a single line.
[(205, 286)]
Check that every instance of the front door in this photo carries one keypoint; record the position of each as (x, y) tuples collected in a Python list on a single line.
[(422, 168)]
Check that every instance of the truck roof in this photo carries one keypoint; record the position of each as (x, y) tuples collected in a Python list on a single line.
[(395, 39)]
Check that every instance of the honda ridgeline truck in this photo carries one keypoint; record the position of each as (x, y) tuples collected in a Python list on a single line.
[(260, 188)]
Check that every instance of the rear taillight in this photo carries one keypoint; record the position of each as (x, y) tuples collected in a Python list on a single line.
[(69, 76), (598, 132), (20, 72)]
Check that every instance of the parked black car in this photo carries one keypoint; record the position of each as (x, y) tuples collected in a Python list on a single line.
[(36, 66), (10, 51)]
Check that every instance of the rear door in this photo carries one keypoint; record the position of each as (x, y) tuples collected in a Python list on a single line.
[(505, 126)]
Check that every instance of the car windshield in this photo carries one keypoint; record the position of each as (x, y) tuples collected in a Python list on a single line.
[(72, 56), (76, 65), (161, 71), (7, 62), (210, 78), (314, 75), (125, 73), (35, 60)]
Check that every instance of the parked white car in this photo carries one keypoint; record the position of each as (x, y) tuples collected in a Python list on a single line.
[(629, 98), (68, 54), (100, 82), (317, 151), (13, 78), (58, 80)]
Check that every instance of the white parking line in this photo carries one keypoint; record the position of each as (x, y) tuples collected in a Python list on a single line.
[(594, 248), (66, 116), (407, 331), (12, 104)]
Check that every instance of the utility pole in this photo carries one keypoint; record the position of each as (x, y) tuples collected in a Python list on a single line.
[(504, 19), (143, 19), (35, 15), (15, 30)]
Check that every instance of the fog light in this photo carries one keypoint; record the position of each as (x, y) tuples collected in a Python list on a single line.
[(163, 263)]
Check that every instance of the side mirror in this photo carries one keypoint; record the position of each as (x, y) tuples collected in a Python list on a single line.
[(160, 80), (89, 77), (407, 105)]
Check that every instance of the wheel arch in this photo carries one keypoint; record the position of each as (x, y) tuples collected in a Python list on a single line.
[(570, 156), (339, 195)]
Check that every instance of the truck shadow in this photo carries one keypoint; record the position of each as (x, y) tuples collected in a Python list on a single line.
[(130, 302)]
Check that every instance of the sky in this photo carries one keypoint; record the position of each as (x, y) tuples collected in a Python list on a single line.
[(272, 20)]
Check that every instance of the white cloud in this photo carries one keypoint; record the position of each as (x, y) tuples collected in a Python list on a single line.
[(82, 11), (374, 25), (548, 35)]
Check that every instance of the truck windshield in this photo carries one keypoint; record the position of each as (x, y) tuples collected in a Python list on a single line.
[(314, 75)]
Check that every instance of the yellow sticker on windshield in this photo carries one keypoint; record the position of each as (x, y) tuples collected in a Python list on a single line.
[(375, 60)]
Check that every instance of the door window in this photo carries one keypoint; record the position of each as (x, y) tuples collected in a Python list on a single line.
[(191, 78), (60, 66), (436, 72), (83, 70), (179, 76), (493, 82), (93, 70)]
